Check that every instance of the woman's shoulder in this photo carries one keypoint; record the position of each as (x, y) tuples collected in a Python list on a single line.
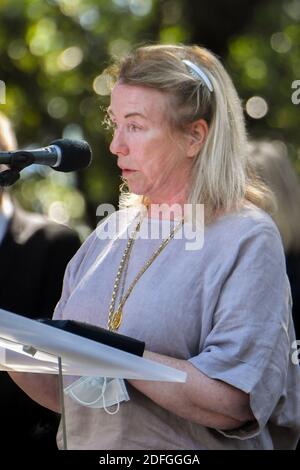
[(250, 226), (249, 219)]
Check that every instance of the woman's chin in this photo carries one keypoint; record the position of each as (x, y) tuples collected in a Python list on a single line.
[(135, 188)]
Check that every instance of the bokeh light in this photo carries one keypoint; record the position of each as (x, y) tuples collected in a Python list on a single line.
[(58, 213), (140, 7), (57, 107), (73, 131), (119, 48), (256, 107), (70, 58), (102, 84), (89, 18), (280, 42)]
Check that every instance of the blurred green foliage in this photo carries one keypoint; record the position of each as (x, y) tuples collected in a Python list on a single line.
[(52, 54), (265, 61)]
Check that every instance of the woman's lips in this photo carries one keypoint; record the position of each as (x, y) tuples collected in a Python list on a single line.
[(126, 172)]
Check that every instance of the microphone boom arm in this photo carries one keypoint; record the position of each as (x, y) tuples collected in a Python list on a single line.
[(62, 155), (17, 161), (25, 158)]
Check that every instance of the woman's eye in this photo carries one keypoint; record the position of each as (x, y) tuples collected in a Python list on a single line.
[(133, 127), (130, 127)]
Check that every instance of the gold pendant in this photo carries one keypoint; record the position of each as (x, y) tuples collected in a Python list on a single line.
[(116, 319)]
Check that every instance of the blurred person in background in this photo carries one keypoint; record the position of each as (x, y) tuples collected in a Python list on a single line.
[(34, 253), (272, 165)]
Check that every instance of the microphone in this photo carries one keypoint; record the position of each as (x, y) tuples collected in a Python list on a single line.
[(61, 155)]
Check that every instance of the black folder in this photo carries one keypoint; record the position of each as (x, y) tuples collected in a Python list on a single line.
[(101, 335)]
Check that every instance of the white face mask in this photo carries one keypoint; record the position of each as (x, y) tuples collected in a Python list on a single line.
[(98, 392)]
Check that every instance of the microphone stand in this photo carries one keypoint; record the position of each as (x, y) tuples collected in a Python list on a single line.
[(19, 161)]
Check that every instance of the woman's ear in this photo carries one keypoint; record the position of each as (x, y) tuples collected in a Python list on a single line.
[(197, 134)]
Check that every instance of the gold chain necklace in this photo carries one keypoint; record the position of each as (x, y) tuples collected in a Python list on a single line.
[(115, 316)]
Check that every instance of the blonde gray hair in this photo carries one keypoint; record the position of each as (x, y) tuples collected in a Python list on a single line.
[(221, 177), (271, 163)]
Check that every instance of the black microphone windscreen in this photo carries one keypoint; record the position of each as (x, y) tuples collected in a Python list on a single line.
[(75, 154)]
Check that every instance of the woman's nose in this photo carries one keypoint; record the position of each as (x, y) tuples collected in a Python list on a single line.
[(118, 145)]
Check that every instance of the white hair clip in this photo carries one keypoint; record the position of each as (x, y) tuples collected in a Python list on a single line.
[(197, 73)]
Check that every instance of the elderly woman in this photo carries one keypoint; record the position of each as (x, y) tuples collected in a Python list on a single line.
[(179, 138)]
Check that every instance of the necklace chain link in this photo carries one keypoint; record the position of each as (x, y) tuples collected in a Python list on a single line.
[(115, 316)]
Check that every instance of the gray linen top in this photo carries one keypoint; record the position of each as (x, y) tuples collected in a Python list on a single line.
[(225, 308)]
